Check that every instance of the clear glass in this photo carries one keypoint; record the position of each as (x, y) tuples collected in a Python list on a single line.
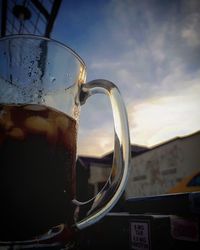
[(42, 87)]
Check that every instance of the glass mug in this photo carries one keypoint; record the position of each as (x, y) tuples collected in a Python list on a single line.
[(42, 86)]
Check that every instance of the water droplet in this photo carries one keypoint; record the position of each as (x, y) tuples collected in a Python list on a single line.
[(52, 79), (69, 76)]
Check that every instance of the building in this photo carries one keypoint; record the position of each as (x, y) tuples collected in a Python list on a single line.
[(172, 166), (93, 173), (160, 169)]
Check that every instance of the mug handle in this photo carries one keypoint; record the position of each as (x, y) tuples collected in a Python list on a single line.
[(104, 201)]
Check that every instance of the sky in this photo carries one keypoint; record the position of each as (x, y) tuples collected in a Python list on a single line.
[(151, 50)]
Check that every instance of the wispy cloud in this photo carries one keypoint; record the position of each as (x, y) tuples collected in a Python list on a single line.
[(159, 119), (151, 50), (97, 141), (152, 121)]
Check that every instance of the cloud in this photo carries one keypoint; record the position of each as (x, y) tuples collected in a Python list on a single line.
[(147, 44), (191, 36), (160, 118), (151, 121), (152, 52), (98, 141)]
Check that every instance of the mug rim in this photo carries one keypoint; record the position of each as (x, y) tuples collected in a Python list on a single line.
[(32, 36)]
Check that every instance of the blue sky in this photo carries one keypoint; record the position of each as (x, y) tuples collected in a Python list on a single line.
[(151, 50)]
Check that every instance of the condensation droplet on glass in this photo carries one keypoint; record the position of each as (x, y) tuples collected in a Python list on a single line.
[(52, 79), (68, 76), (32, 62)]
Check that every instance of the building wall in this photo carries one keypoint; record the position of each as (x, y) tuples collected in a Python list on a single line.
[(159, 169), (99, 174)]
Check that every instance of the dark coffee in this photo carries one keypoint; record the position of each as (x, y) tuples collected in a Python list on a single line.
[(37, 170)]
